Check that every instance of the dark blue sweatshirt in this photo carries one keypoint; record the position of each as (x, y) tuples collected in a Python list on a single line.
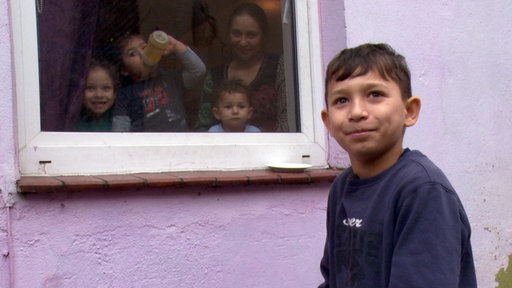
[(405, 227)]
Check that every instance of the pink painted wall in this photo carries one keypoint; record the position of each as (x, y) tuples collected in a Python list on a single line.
[(7, 144), (461, 62), (257, 236), (264, 236), (332, 18), (261, 237)]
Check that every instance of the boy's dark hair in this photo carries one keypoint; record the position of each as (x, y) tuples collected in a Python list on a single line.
[(232, 86), (109, 67), (358, 61), (253, 10), (123, 40), (121, 43)]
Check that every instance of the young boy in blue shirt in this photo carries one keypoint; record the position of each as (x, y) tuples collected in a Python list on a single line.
[(393, 218), (233, 108)]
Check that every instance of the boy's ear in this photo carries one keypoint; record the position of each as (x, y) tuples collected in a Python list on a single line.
[(215, 113), (412, 109), (251, 111), (325, 119)]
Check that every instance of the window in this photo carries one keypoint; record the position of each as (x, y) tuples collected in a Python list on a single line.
[(49, 151)]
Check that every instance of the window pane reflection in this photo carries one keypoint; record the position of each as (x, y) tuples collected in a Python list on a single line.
[(96, 73)]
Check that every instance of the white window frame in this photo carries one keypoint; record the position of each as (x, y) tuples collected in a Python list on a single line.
[(56, 153)]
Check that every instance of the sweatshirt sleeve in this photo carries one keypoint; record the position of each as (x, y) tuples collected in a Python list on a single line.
[(430, 228), (193, 68)]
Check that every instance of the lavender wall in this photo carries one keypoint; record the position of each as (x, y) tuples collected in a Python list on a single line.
[(7, 145), (203, 237), (461, 61), (257, 236), (265, 236)]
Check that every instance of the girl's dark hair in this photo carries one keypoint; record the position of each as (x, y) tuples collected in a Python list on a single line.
[(252, 10), (110, 68), (232, 86), (358, 61)]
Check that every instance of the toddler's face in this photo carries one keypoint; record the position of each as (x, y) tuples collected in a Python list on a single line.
[(99, 93), (233, 110), (132, 60)]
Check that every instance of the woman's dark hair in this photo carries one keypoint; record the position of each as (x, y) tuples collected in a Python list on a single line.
[(252, 10)]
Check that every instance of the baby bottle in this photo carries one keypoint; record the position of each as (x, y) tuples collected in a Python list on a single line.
[(157, 43)]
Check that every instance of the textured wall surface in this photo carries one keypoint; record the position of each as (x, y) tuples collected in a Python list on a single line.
[(261, 237), (7, 150), (461, 61)]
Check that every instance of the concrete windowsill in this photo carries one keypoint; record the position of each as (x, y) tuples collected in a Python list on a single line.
[(47, 184)]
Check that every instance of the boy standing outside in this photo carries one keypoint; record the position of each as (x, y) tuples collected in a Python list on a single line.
[(393, 218)]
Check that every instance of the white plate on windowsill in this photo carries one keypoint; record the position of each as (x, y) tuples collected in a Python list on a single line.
[(289, 167)]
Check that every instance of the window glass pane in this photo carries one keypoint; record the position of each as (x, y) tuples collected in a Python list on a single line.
[(96, 73)]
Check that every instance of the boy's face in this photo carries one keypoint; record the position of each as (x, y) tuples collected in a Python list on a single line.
[(133, 65), (367, 116), (233, 110), (99, 93)]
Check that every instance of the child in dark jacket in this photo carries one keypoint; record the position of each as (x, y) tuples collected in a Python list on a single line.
[(393, 218)]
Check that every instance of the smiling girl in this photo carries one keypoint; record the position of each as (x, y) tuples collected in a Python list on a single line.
[(99, 96)]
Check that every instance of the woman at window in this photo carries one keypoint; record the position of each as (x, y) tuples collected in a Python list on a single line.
[(262, 72)]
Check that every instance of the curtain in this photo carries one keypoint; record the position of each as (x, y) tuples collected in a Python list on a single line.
[(70, 32), (65, 38)]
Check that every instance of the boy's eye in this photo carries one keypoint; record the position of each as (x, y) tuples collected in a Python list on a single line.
[(341, 100), (132, 53), (375, 94)]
